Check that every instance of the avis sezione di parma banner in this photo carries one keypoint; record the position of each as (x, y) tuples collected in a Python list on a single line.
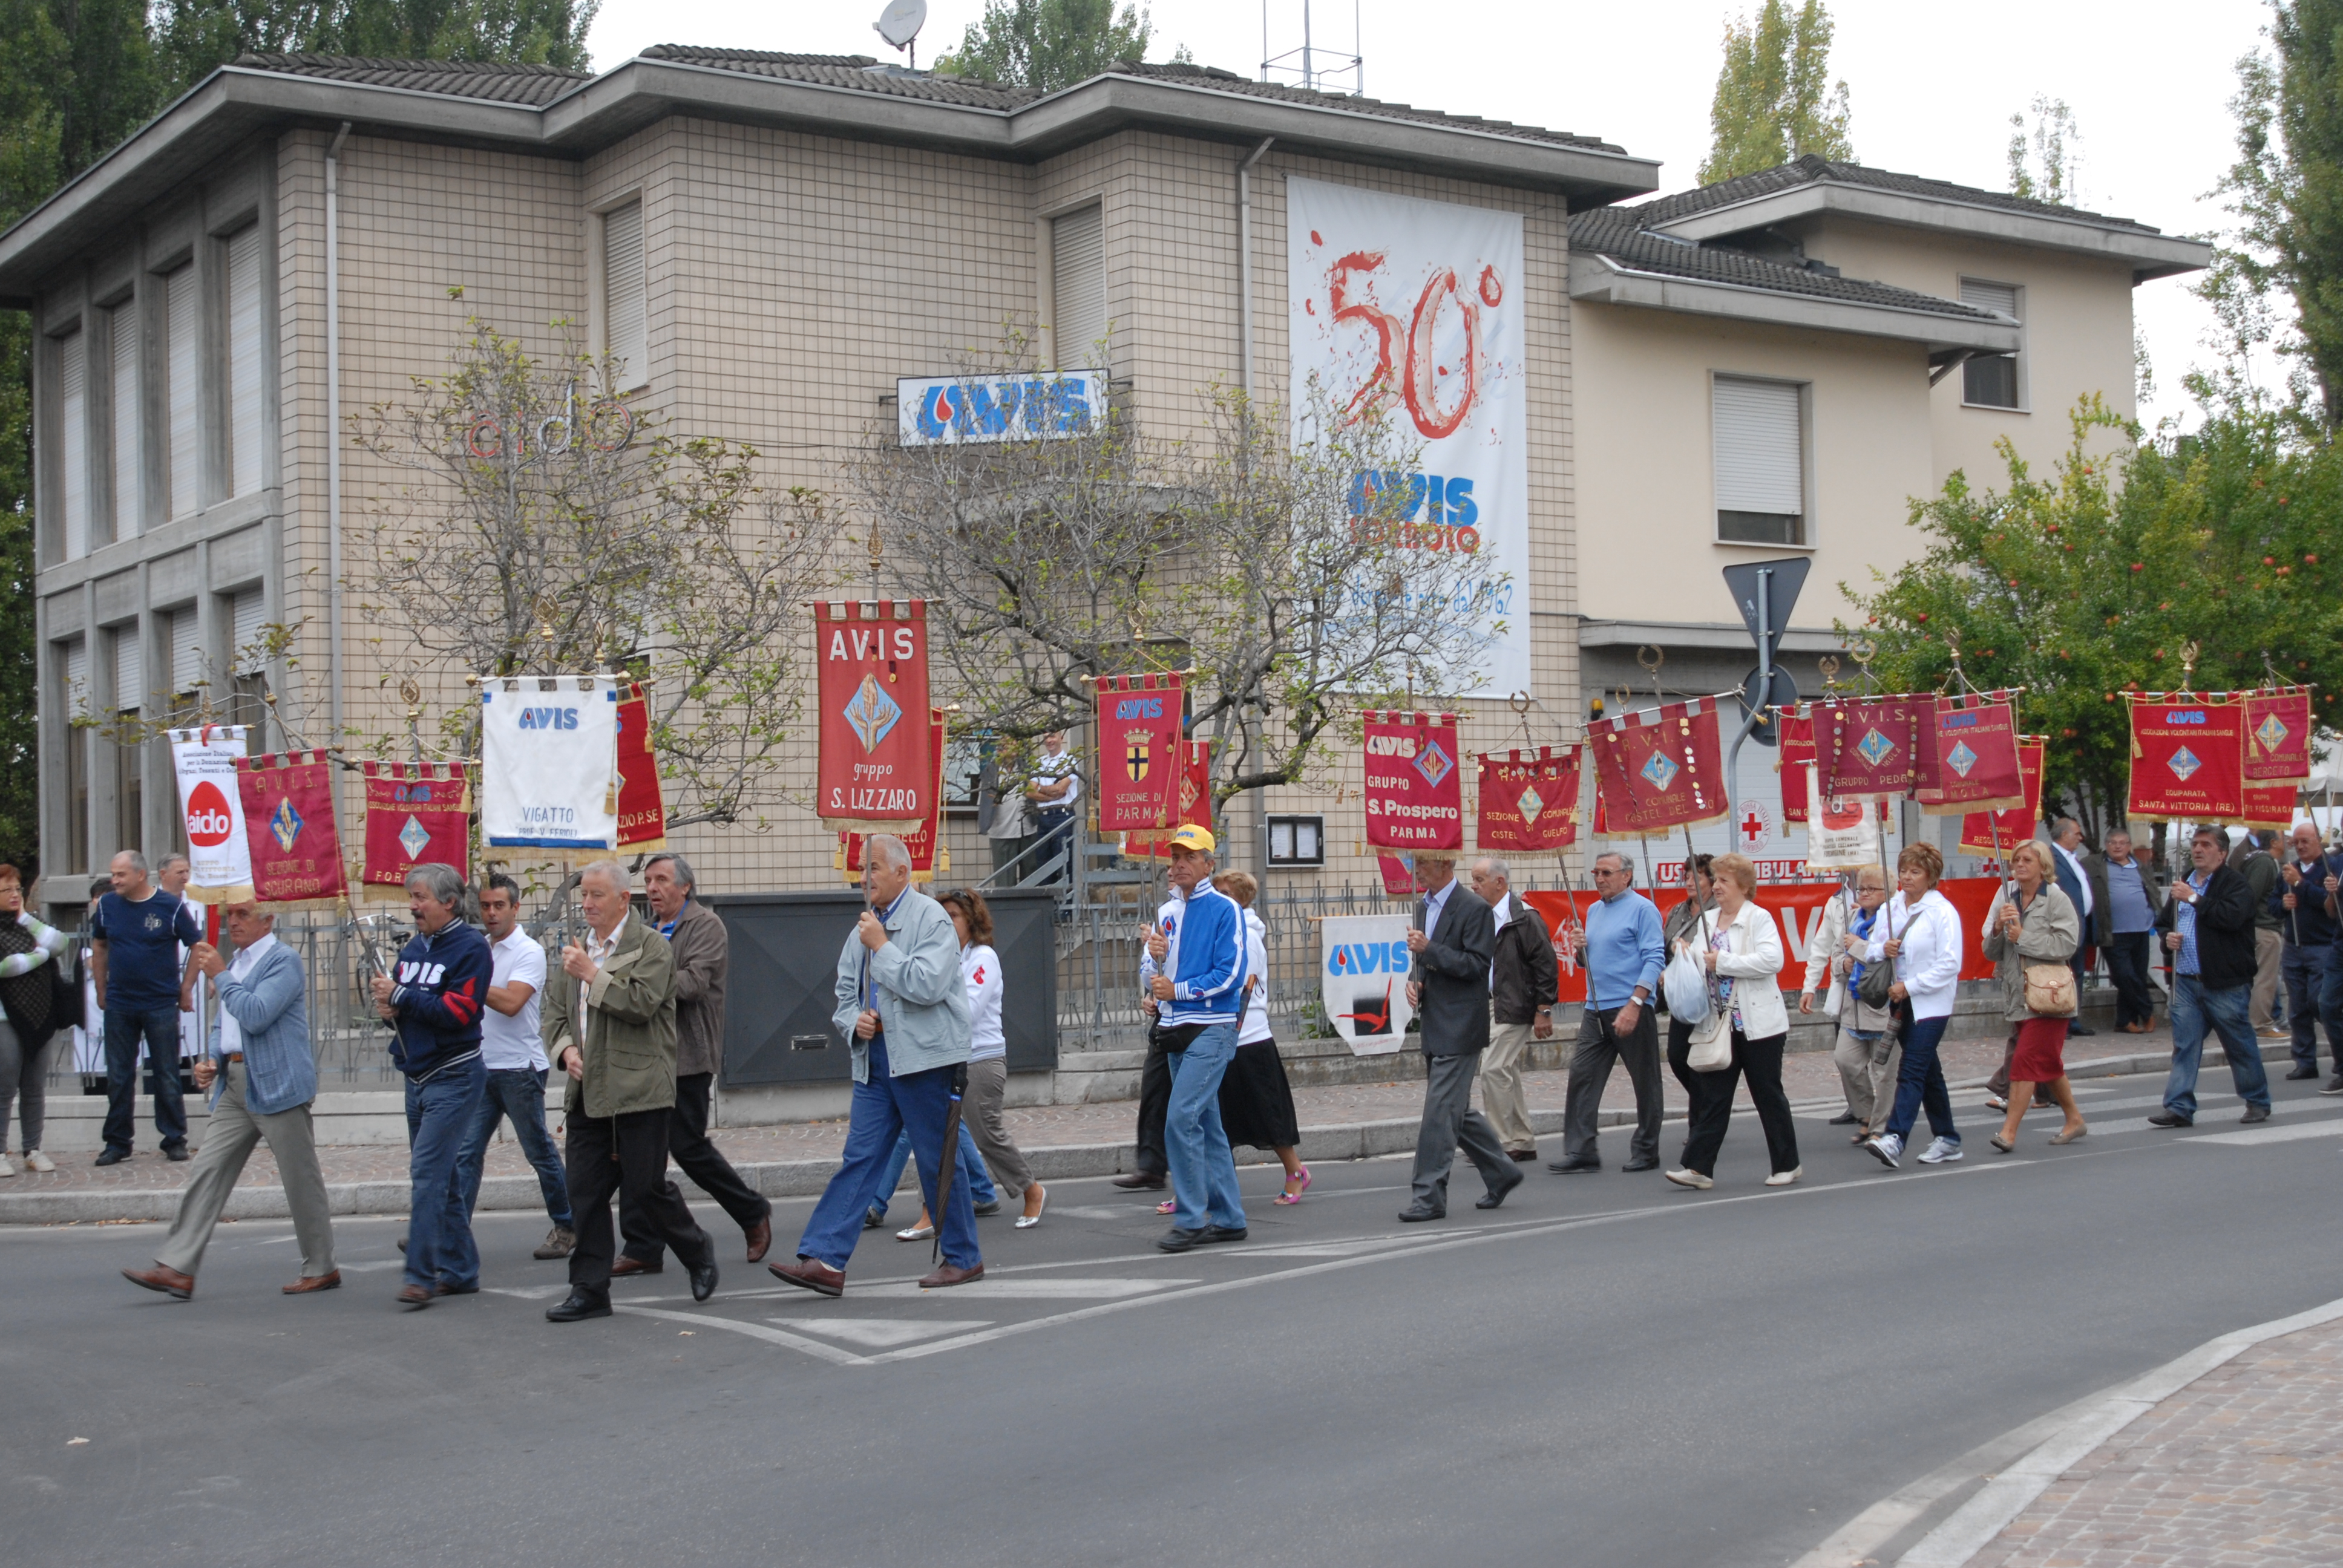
[(876, 773), (1139, 751), (1660, 769), (414, 813), (1412, 312), (2187, 756), (288, 814), (1414, 790), (1976, 753), (1529, 801), (642, 805), (2016, 825), (2277, 736), (219, 861)]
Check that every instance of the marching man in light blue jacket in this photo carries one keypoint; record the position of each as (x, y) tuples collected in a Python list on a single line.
[(1195, 972)]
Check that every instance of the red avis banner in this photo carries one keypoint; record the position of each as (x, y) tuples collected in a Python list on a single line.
[(1658, 770), (2277, 736), (1529, 801), (876, 775), (1414, 790), (288, 818), (2270, 806), (1874, 745), (925, 844), (414, 813), (1194, 807), (1137, 751), (1976, 753), (1795, 744), (642, 806), (2188, 756), (2014, 825)]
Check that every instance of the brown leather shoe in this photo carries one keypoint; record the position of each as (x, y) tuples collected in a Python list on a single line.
[(303, 1286), (760, 1239), (807, 1275), (415, 1296), (624, 1265), (949, 1274), (1139, 1180), (169, 1282)]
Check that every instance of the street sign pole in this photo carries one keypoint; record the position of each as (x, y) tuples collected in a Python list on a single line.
[(1764, 592)]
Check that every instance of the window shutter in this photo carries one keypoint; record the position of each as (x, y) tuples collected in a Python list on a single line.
[(626, 306), (247, 611), (1760, 459), (246, 438), (183, 373), (73, 445), (187, 651), (76, 680), (1078, 274), (122, 335), (1998, 296), (129, 674)]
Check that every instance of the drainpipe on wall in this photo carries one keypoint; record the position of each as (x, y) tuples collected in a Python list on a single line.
[(334, 442), (1255, 851)]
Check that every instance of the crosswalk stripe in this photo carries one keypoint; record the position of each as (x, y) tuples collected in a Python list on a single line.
[(2330, 1127), (1024, 1288), (879, 1333), (814, 1348)]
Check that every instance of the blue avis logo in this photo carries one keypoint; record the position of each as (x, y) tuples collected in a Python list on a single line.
[(1350, 960), (1428, 499), (1139, 707), (548, 719), (996, 408), (2191, 716)]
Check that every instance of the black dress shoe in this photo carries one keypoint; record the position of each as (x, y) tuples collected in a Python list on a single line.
[(1640, 1162), (176, 1153), (1573, 1167), (2300, 1073), (580, 1305), (703, 1278), (2170, 1119), (1844, 1119), (2079, 1031), (1496, 1199), (1139, 1180), (991, 1208), (1222, 1233), (1176, 1240), (1416, 1214), (113, 1157), (2255, 1113)]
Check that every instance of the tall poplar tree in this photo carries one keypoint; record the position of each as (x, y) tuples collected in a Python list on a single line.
[(1048, 43), (1775, 98)]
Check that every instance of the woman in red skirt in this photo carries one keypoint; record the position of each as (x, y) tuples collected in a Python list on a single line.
[(2037, 929)]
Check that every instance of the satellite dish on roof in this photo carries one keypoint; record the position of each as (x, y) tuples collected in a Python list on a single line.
[(900, 22)]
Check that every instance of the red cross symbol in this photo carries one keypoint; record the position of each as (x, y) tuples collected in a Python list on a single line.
[(1753, 825)]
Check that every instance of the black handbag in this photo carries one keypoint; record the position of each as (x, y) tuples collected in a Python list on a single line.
[(1877, 980)]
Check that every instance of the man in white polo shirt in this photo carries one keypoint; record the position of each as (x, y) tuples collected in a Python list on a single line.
[(514, 1056)]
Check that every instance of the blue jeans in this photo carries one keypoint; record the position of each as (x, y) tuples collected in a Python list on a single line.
[(884, 1109), (1203, 1170), (2193, 1009), (1921, 1082), (969, 1164), (2305, 971), (439, 1115), (159, 1028), (518, 1093)]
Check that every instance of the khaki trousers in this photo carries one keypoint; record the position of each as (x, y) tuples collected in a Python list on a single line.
[(2269, 949), (234, 1132), (988, 1086), (1502, 1100), (1866, 1070)]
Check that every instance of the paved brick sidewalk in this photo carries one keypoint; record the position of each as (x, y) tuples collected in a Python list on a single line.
[(2244, 1466)]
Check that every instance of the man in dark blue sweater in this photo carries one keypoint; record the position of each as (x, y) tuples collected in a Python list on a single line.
[(433, 998)]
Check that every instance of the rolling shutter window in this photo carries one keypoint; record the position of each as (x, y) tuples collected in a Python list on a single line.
[(182, 378), (625, 305), (76, 680), (1760, 462), (73, 444), (121, 338), (247, 611), (1078, 273), (129, 675), (1990, 380), (187, 651), (247, 441)]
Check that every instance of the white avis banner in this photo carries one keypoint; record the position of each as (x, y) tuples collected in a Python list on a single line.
[(550, 762), (1411, 311), (219, 860), (1362, 980)]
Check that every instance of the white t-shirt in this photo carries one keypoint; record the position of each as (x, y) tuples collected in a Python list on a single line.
[(1054, 770), (512, 1044), (979, 970)]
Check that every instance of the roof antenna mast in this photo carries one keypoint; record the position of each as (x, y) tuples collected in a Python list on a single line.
[(1302, 67)]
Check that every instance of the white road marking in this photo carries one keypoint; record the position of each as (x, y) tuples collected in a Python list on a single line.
[(527, 1292), (2286, 1132), (881, 1333), (814, 1348), (368, 1267), (1012, 1288)]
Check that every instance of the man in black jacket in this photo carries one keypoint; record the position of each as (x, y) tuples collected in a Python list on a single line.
[(1522, 980), (1454, 942), (2209, 931)]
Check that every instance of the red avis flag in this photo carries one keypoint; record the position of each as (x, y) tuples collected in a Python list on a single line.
[(1529, 801), (1194, 807), (2015, 824), (876, 775), (414, 813), (925, 844), (2188, 756), (1873, 745), (2270, 806), (642, 806), (1797, 743), (1137, 751), (2277, 736), (1658, 770), (1975, 752), (1414, 790), (288, 819)]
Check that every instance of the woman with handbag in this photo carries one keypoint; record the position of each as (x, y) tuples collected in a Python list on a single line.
[(28, 953), (1676, 928), (1918, 944), (2031, 938), (1864, 1050), (1740, 947)]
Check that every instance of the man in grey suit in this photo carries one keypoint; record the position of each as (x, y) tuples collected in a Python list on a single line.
[(1454, 942)]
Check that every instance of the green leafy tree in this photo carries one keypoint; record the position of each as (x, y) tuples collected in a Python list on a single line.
[(195, 37), (2047, 164), (1775, 98), (1048, 43)]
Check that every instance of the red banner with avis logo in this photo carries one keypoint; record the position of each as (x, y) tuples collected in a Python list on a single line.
[(1976, 757), (1796, 744), (1414, 788), (2187, 756), (1529, 801), (288, 822), (876, 775), (1873, 745), (1194, 807), (642, 806), (1137, 751), (925, 844), (2277, 736), (1660, 769), (414, 813), (2017, 824)]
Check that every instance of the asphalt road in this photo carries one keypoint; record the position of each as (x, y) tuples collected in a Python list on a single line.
[(1606, 1370)]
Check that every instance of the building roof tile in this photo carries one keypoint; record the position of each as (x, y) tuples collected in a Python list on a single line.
[(495, 81), (1812, 169)]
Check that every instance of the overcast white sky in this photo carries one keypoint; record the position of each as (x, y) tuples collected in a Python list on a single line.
[(1932, 87)]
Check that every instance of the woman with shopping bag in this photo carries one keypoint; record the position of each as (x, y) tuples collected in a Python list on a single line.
[(1741, 947), (2031, 933)]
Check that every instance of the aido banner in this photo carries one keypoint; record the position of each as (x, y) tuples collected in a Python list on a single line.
[(1363, 966), (219, 860), (1138, 733), (288, 813), (1414, 790), (549, 763), (876, 775)]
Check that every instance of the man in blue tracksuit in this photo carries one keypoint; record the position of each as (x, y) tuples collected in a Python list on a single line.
[(432, 998), (1195, 972)]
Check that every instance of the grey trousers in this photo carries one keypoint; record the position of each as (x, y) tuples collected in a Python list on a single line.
[(988, 1084), (234, 1133), (1502, 1100), (1600, 1045), (25, 1081), (1866, 1070), (1450, 1122), (2269, 952)]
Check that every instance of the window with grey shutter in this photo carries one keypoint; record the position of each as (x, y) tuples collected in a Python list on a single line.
[(1078, 282), (247, 613), (1760, 462), (129, 674), (187, 650), (77, 694), (73, 444), (626, 304), (183, 373), (122, 340), (1990, 380), (247, 437)]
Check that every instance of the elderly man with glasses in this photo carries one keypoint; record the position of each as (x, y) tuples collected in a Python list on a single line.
[(1625, 954)]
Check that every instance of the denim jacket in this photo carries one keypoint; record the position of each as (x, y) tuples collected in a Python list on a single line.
[(272, 1012), (922, 1003)]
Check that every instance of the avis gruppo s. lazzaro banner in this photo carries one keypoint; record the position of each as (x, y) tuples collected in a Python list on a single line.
[(1411, 311)]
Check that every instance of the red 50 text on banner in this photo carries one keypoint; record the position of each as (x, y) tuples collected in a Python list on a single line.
[(1416, 791), (877, 772)]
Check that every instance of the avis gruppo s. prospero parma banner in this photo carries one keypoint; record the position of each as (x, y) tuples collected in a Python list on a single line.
[(219, 861), (2188, 756), (877, 773), (1412, 311), (288, 813), (1414, 789), (1529, 801), (414, 813), (1137, 751)]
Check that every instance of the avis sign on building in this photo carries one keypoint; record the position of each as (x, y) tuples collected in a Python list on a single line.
[(1411, 311)]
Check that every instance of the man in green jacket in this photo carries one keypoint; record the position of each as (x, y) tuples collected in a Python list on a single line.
[(610, 1024)]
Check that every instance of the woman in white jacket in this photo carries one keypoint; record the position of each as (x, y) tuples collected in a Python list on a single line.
[(1744, 957), (1926, 950)]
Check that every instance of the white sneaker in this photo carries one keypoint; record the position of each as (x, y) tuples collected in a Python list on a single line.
[(1888, 1148), (1943, 1152), (1690, 1178), (37, 1161), (6, 1169), (1784, 1177)]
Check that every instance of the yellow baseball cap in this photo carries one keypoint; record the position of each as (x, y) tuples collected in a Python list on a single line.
[(1191, 836)]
